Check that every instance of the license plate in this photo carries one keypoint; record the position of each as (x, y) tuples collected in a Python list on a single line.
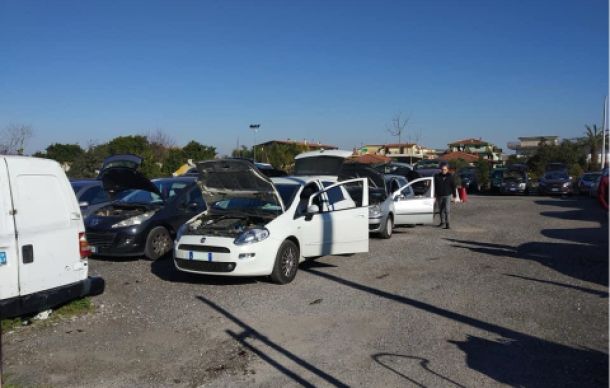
[(208, 255), (93, 249), (513, 189), (554, 189)]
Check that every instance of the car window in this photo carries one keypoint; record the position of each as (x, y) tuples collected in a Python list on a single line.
[(287, 192), (141, 196), (169, 188), (94, 195), (195, 196)]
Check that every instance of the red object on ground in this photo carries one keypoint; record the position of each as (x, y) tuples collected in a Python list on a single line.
[(602, 192), (463, 194)]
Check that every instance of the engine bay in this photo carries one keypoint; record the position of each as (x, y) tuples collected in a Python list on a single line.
[(225, 225), (123, 211)]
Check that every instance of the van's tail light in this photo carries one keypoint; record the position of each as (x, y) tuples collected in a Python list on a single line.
[(83, 246)]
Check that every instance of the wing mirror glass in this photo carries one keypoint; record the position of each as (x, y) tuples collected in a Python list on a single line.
[(313, 209), (83, 204)]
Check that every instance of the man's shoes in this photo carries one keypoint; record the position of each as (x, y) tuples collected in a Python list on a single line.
[(441, 225), (447, 226)]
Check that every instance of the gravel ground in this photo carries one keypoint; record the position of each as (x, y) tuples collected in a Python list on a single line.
[(515, 294)]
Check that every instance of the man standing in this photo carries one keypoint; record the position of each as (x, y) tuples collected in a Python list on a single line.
[(444, 190)]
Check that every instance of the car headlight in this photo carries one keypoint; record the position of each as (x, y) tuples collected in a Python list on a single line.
[(567, 184), (251, 236), (137, 220), (374, 211), (522, 185), (181, 231)]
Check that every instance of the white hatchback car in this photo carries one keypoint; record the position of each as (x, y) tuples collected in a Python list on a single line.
[(258, 226)]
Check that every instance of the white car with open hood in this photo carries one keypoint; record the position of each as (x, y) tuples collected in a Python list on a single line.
[(257, 226)]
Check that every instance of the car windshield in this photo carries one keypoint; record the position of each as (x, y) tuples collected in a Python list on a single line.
[(514, 175), (287, 192), (248, 205), (556, 176), (590, 177), (169, 188)]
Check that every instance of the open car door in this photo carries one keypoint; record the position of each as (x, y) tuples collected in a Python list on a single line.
[(411, 208), (343, 219)]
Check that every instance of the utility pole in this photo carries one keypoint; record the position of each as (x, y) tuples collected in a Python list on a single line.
[(604, 130), (254, 128)]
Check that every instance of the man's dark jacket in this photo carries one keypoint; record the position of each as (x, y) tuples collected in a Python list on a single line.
[(444, 185)]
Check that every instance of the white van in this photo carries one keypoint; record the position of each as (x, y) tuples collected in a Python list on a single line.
[(43, 249)]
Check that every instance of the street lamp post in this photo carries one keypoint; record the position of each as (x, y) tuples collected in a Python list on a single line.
[(254, 128)]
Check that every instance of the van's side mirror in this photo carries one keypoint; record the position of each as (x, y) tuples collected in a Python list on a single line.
[(83, 204), (313, 209)]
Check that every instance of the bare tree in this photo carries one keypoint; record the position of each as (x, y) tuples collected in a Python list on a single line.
[(160, 143), (14, 138), (398, 126)]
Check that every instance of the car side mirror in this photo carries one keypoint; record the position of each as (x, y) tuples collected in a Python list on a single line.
[(313, 209), (399, 197), (83, 204)]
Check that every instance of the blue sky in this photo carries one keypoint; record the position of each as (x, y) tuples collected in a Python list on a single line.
[(330, 71)]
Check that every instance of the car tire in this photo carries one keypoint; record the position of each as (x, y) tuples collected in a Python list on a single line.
[(158, 243), (387, 230), (286, 263)]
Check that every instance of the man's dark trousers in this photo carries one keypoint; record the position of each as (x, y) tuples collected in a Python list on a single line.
[(444, 207)]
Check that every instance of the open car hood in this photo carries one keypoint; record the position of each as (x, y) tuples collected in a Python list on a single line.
[(235, 178), (117, 179), (120, 173)]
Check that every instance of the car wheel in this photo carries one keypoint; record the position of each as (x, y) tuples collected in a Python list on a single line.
[(158, 243), (386, 232), (286, 263)]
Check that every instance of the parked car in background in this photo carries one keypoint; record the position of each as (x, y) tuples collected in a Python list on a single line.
[(587, 180), (90, 195), (257, 226), (555, 182), (322, 164), (144, 220), (515, 180), (428, 167), (469, 179), (496, 178), (556, 166), (43, 248), (593, 189), (396, 168)]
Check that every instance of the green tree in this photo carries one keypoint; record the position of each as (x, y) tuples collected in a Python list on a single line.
[(243, 152), (568, 152), (593, 140), (198, 152), (87, 164), (63, 153), (482, 166)]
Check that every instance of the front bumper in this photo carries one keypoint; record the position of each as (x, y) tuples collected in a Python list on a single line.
[(555, 190), (513, 190), (220, 256), (376, 224), (43, 300), (120, 242)]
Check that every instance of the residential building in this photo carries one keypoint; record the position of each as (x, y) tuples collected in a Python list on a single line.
[(477, 147), (403, 152), (527, 145)]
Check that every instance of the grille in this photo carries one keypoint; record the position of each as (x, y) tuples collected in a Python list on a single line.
[(203, 248), (205, 266), (100, 239)]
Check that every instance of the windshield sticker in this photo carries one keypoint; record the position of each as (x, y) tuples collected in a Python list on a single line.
[(2, 258)]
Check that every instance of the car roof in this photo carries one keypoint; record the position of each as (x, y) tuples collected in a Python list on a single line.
[(332, 153), (182, 178)]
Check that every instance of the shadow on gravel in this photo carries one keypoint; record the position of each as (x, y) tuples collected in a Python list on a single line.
[(580, 261), (165, 270), (516, 358), (390, 361), (601, 294), (248, 332)]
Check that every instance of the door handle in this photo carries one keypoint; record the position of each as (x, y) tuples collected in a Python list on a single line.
[(27, 254)]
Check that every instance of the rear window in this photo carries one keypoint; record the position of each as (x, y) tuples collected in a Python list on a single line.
[(319, 165)]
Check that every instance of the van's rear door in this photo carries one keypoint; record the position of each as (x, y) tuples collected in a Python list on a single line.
[(48, 223), (9, 259)]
